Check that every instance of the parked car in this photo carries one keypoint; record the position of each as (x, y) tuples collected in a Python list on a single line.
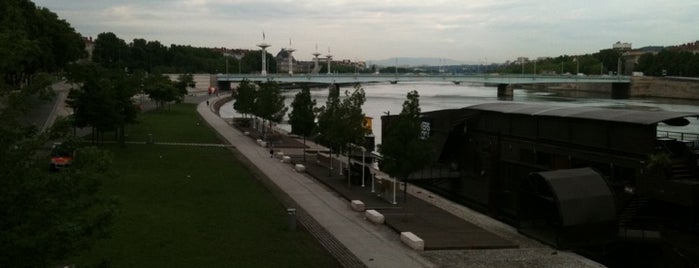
[(61, 156)]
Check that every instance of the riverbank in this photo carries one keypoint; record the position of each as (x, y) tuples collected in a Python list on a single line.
[(640, 87)]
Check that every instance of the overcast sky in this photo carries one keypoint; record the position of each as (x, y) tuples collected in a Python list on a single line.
[(466, 30)]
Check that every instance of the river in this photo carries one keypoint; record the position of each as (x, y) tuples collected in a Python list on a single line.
[(383, 98)]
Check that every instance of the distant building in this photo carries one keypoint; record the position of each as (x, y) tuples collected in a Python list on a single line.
[(621, 46), (89, 47)]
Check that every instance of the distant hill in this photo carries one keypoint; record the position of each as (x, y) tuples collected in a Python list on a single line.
[(413, 61)]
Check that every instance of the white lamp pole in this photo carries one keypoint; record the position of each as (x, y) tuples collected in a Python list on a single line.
[(363, 164)]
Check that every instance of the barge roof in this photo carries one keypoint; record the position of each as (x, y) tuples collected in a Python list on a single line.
[(592, 113)]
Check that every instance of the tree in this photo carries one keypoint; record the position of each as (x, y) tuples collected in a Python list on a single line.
[(245, 99), (252, 62), (340, 121), (34, 40), (302, 117), (184, 81), (404, 147), (110, 51), (327, 122), (351, 117), (162, 90), (270, 103), (104, 99), (44, 217)]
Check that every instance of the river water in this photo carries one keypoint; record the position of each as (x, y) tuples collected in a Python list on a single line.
[(383, 98)]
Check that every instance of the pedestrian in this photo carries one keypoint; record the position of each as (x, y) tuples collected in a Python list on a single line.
[(271, 152), (207, 103)]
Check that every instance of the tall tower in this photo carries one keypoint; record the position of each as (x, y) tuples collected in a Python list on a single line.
[(329, 57), (264, 47), (291, 61), (315, 58)]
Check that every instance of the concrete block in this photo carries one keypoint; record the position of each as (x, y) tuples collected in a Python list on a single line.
[(246, 133), (374, 216), (357, 205), (263, 144), (412, 240), (280, 155), (286, 159), (300, 168)]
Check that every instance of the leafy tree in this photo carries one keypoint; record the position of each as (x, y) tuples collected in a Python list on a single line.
[(103, 100), (328, 120), (340, 121), (246, 98), (270, 103), (162, 90), (252, 62), (44, 217), (302, 117), (184, 81), (34, 40), (403, 149), (110, 51)]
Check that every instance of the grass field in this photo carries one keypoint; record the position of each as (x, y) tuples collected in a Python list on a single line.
[(185, 206)]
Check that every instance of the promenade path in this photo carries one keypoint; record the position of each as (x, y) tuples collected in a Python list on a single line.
[(373, 245), (379, 245)]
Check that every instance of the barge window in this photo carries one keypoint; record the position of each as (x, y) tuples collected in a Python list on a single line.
[(527, 156)]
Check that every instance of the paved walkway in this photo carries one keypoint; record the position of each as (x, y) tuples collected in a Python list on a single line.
[(374, 245), (487, 242)]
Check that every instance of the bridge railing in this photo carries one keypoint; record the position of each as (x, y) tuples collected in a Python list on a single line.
[(476, 78)]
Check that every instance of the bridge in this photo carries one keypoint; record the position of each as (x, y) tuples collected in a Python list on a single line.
[(504, 82)]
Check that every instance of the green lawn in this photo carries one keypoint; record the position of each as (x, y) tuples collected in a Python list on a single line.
[(186, 206)]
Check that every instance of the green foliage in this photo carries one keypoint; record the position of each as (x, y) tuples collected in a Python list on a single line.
[(602, 62), (669, 62), (103, 101), (270, 102), (162, 90), (402, 149), (328, 119), (252, 62), (340, 120), (44, 216), (110, 51), (34, 40), (302, 116), (246, 98)]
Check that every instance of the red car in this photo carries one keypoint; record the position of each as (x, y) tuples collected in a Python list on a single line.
[(61, 157)]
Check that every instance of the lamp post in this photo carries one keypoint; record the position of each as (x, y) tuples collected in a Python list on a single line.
[(363, 163)]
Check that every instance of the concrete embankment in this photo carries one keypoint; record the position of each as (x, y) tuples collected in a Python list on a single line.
[(664, 87), (641, 87)]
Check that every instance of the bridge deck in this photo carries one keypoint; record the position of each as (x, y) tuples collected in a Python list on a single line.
[(374, 78)]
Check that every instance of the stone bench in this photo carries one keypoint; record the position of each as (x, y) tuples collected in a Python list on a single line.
[(300, 168), (412, 240), (357, 205), (374, 216), (286, 159)]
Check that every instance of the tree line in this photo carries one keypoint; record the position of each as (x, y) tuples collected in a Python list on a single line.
[(44, 217), (669, 62), (603, 62), (338, 125), (153, 57)]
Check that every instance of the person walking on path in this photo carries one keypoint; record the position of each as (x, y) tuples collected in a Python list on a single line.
[(271, 152)]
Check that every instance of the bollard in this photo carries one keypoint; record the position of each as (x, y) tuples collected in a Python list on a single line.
[(291, 218)]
